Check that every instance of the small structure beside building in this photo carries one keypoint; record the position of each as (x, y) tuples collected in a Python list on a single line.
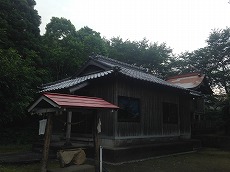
[(154, 115), (197, 82), (194, 81), (51, 105)]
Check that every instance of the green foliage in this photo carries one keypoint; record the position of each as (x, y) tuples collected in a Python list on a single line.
[(59, 28), (21, 67), (19, 25), (218, 111), (19, 136), (28, 59), (156, 58), (21, 131), (62, 51), (64, 46), (17, 79), (213, 60), (219, 54), (91, 42)]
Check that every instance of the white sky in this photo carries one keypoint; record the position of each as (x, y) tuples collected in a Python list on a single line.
[(181, 24)]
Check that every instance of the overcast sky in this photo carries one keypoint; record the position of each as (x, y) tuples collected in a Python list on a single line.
[(181, 24)]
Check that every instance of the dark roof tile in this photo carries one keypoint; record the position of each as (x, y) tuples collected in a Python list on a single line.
[(131, 71)]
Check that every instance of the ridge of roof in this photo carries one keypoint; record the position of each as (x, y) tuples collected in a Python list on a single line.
[(133, 71), (69, 95), (111, 66), (54, 82), (101, 59)]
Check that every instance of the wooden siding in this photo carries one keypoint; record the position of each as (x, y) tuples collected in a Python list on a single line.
[(151, 98), (185, 115), (103, 88)]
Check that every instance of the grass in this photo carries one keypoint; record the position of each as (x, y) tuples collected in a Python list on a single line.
[(206, 160), (15, 148), (35, 167)]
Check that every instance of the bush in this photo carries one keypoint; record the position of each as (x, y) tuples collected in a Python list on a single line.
[(20, 132)]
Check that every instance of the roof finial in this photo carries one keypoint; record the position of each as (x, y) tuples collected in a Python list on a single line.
[(116, 68), (93, 55)]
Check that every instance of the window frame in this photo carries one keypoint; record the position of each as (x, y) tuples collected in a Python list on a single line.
[(134, 102)]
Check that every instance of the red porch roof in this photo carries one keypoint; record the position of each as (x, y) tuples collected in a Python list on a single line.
[(54, 100)]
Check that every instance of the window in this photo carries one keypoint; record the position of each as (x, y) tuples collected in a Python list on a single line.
[(129, 109), (170, 113)]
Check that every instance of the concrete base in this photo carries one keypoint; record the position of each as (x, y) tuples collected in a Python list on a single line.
[(132, 153), (128, 152), (74, 168)]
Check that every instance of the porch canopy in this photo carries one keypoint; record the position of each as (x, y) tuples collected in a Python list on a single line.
[(50, 103)]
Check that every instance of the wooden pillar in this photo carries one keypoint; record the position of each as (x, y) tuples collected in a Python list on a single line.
[(48, 133), (68, 129), (96, 141)]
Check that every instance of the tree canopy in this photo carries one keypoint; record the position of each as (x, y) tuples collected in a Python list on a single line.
[(19, 25), (156, 58), (213, 59), (20, 63), (28, 59), (64, 46)]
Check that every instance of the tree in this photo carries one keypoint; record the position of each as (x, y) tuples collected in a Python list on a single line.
[(91, 41), (213, 60), (63, 50), (156, 58), (125, 51), (67, 48), (219, 57), (19, 25), (59, 28), (195, 61), (21, 66), (18, 78)]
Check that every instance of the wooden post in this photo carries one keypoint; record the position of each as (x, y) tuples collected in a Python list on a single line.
[(48, 133), (96, 142), (68, 129)]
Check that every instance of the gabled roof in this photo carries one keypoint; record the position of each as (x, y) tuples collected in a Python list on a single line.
[(194, 81), (71, 82), (109, 66), (53, 102)]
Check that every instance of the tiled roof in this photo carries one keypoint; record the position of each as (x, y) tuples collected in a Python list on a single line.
[(111, 65), (75, 81), (134, 71)]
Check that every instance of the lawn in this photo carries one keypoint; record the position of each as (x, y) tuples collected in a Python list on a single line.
[(205, 160), (15, 148), (35, 167)]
